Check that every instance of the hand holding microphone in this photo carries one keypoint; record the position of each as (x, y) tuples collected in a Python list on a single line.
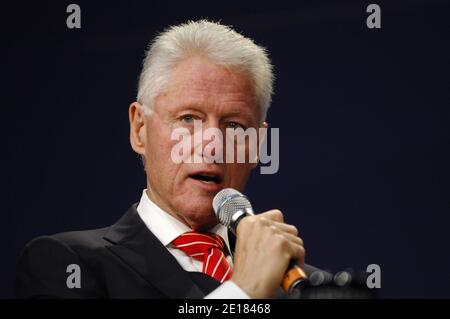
[(267, 250)]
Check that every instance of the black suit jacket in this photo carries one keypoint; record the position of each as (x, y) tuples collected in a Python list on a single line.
[(124, 260)]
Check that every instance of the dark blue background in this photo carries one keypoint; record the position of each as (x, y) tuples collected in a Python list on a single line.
[(363, 117)]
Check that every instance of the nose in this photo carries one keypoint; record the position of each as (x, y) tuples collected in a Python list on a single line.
[(211, 147)]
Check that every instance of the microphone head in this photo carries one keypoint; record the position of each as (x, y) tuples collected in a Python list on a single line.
[(227, 202)]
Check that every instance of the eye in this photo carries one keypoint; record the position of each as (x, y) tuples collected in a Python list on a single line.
[(235, 125), (187, 119)]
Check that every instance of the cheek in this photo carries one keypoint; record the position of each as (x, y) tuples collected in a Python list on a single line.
[(158, 141), (158, 152), (238, 175)]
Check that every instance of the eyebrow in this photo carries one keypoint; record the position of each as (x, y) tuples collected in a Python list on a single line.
[(181, 107), (246, 115), (196, 108)]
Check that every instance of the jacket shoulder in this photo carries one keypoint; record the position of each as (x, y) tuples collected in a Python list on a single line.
[(46, 263), (92, 238)]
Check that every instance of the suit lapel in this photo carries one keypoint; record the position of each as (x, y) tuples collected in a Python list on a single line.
[(136, 246)]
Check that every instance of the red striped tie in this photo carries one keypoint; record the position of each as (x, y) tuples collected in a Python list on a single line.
[(208, 248)]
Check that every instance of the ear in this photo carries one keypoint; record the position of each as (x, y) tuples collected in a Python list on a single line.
[(262, 134), (137, 128)]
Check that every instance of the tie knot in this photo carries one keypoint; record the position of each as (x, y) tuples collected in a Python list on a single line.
[(207, 248), (196, 243)]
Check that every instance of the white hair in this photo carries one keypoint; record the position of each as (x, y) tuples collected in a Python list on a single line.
[(219, 43)]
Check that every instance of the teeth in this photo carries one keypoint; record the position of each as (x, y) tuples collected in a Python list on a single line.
[(208, 178)]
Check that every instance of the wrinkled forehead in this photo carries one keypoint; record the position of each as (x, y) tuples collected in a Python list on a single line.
[(198, 82)]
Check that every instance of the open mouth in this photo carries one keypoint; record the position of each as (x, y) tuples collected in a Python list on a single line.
[(207, 178)]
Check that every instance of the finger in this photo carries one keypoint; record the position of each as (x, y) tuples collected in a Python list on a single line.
[(291, 229), (293, 239), (290, 247), (274, 215), (298, 253)]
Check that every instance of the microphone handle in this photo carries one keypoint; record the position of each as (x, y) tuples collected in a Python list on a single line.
[(292, 278)]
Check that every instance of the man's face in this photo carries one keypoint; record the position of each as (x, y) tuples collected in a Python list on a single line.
[(219, 98)]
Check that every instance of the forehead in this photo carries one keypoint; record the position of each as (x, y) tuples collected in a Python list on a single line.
[(199, 82)]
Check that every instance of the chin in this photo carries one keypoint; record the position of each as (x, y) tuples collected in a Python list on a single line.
[(196, 209), (202, 218)]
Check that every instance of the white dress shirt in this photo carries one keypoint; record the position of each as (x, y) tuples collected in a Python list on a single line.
[(166, 228)]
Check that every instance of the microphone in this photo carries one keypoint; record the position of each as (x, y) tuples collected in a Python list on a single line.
[(230, 206)]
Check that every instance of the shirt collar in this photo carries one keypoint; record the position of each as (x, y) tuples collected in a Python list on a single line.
[(166, 227)]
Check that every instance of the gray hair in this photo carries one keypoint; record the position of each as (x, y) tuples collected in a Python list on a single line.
[(217, 42)]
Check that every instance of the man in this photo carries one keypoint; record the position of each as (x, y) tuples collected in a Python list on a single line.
[(198, 71)]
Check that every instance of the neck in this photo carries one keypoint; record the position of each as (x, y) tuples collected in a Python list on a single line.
[(200, 227)]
